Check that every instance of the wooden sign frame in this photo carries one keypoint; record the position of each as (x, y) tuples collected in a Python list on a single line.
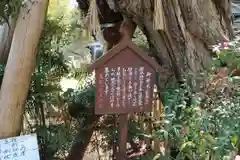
[(124, 59)]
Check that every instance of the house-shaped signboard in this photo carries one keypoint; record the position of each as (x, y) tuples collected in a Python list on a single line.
[(125, 78)]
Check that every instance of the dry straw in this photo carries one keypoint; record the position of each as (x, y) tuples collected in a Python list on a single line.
[(92, 20), (158, 17)]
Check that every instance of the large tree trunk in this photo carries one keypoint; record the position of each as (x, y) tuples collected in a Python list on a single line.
[(190, 26), (20, 64)]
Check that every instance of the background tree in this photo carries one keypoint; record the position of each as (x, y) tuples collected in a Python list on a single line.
[(8, 14), (179, 32), (179, 43)]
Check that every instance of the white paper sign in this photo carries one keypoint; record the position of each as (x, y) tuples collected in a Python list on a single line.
[(19, 148)]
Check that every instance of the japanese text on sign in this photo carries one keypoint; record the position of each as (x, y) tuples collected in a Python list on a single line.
[(124, 78), (19, 148), (118, 89), (101, 89), (125, 86), (112, 86), (148, 87)]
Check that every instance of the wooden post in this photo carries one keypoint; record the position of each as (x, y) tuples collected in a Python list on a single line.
[(115, 142), (20, 64), (123, 118)]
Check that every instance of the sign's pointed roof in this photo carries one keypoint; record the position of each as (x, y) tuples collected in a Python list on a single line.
[(125, 43)]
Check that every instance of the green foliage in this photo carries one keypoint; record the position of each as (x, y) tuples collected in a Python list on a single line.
[(203, 125), (200, 133), (50, 63), (9, 8), (54, 140), (140, 39), (55, 137), (228, 55), (228, 59), (81, 102)]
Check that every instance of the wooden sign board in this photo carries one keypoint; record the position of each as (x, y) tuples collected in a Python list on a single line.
[(19, 148), (125, 78)]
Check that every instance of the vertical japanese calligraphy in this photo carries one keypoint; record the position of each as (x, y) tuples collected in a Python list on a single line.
[(118, 89), (140, 90), (124, 79), (113, 86), (106, 75), (124, 87), (135, 87), (148, 87), (101, 90), (20, 148), (129, 86)]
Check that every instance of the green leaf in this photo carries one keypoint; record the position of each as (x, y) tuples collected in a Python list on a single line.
[(202, 146), (184, 145), (210, 139), (165, 134), (178, 156), (177, 133), (235, 139)]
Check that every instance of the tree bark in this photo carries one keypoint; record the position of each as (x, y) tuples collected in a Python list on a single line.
[(83, 138), (20, 64), (6, 35), (190, 26), (3, 41)]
